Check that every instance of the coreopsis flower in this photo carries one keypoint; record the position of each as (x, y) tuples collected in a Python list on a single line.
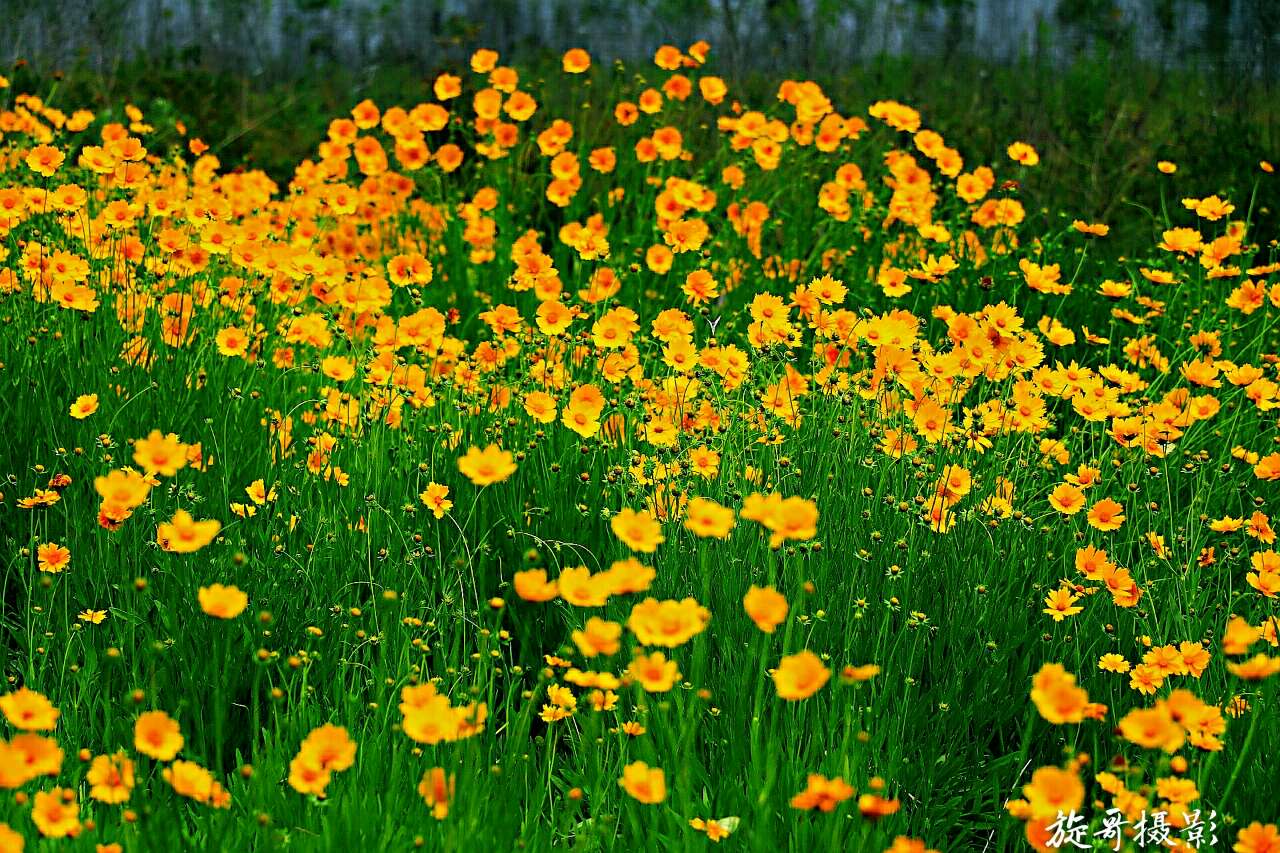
[(10, 841), (639, 531), (326, 750), (822, 793), (853, 674), (160, 454), (52, 557), (598, 637), (1061, 603), (1067, 499), (437, 791), (1112, 662), (184, 535), (195, 782), (653, 672), (1258, 838), (766, 606), (123, 490), (1152, 728), (533, 585), (576, 60), (331, 746), (645, 784), (27, 756), (785, 518), (28, 710), (667, 623), (801, 675), (44, 160), (1053, 790), (84, 406), (110, 778), (715, 829), (436, 498), (222, 602), (1056, 696), (1256, 668), (707, 518), (157, 735), (488, 466), (1023, 153), (1106, 515), (306, 776), (873, 806), (56, 813)]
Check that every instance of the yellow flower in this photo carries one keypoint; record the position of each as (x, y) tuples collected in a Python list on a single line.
[(766, 606), (436, 497), (160, 454), (708, 518), (222, 602), (28, 710), (184, 535), (488, 466), (158, 735), (1061, 603), (639, 531), (801, 675), (56, 813), (644, 783), (667, 623), (85, 405), (437, 791), (111, 778)]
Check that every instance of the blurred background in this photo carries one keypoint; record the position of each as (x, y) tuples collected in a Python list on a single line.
[(289, 37), (1102, 87)]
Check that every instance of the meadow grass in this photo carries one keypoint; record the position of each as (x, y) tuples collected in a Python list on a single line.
[(805, 349)]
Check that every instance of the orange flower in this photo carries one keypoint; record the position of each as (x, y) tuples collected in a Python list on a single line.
[(488, 466), (801, 675), (56, 813), (1056, 696), (160, 454), (437, 791), (85, 405), (1258, 838), (184, 535), (1067, 499), (766, 606), (52, 558), (45, 160), (1023, 153), (111, 778), (532, 585), (667, 623), (28, 710), (644, 783), (822, 793), (436, 497), (222, 602), (158, 735), (707, 518), (654, 672), (576, 60), (1053, 790), (639, 531), (1106, 515)]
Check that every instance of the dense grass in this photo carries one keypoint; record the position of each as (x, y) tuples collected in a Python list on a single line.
[(357, 591)]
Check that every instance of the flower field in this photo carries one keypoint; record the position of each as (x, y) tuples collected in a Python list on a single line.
[(669, 472)]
